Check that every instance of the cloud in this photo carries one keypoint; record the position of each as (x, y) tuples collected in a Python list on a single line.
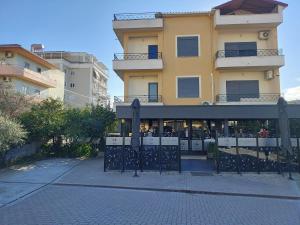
[(292, 93)]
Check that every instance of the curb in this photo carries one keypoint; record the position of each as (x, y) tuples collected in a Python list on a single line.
[(295, 198)]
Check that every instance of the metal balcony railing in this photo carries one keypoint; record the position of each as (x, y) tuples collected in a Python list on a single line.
[(142, 98), (250, 98), (249, 52), (137, 16), (137, 56)]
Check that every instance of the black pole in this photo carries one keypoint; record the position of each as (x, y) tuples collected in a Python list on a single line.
[(257, 155), (237, 153), (123, 154), (298, 148), (179, 155), (278, 159), (217, 154)]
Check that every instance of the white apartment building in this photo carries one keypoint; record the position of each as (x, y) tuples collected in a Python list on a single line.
[(85, 77)]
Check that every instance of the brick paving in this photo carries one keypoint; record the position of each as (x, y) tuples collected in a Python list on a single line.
[(72, 195), (87, 205)]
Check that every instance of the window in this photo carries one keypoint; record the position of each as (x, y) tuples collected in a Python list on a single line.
[(26, 65), (188, 87), (152, 51), (38, 69), (153, 92), (235, 90), (187, 46), (72, 85), (240, 49)]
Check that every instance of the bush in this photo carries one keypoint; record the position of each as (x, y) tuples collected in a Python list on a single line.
[(11, 134), (68, 131)]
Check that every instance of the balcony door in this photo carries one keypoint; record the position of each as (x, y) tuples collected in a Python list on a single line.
[(153, 92), (152, 51), (238, 89), (240, 49)]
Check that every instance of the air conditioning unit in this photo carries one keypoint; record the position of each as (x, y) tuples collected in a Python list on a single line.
[(9, 54), (269, 75), (206, 103), (264, 35), (6, 79)]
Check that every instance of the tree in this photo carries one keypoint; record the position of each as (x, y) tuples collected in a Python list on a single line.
[(11, 134), (45, 121), (13, 103)]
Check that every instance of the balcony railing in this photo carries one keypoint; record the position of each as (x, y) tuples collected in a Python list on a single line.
[(142, 98), (137, 56), (137, 16), (248, 98), (249, 52)]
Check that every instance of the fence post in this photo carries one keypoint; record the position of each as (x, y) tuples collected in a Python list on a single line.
[(298, 150), (257, 155), (278, 160), (141, 156), (104, 164), (179, 154), (159, 154), (123, 154), (217, 153), (237, 154)]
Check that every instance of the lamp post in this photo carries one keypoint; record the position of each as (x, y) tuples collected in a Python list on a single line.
[(284, 127), (135, 139)]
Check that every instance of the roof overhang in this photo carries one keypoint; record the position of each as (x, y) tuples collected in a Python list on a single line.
[(254, 6)]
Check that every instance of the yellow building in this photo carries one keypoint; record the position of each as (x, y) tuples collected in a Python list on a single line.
[(30, 74), (188, 69)]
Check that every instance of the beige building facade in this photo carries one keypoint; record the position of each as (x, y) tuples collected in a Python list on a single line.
[(230, 47), (29, 74), (199, 72), (85, 77)]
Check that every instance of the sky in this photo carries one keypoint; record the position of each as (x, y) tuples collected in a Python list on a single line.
[(86, 25)]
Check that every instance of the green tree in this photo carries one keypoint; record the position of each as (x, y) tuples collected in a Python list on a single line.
[(13, 103), (11, 134), (45, 121)]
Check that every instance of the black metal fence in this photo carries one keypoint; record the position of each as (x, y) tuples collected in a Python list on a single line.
[(255, 97), (256, 155), (142, 98), (137, 16), (137, 56), (248, 52), (155, 153)]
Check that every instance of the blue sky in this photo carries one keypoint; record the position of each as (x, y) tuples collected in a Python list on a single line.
[(86, 25)]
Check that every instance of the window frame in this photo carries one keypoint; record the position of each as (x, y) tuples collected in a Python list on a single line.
[(188, 35), (189, 76)]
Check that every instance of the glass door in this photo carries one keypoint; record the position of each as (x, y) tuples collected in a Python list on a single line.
[(153, 92)]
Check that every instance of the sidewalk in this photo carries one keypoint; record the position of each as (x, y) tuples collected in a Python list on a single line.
[(19, 181), (90, 173)]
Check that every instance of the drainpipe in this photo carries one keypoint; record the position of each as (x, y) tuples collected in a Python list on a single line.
[(212, 88)]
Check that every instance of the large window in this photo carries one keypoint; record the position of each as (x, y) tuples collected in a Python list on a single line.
[(242, 89), (240, 49), (187, 46), (188, 87), (153, 92)]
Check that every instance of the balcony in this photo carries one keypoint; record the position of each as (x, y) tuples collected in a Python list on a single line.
[(265, 20), (261, 59), (247, 99), (144, 99), (136, 21), (27, 75), (137, 61)]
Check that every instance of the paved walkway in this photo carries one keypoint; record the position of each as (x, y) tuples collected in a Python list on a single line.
[(90, 172), (18, 181), (64, 191)]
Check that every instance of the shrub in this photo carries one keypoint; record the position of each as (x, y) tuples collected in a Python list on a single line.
[(11, 135)]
